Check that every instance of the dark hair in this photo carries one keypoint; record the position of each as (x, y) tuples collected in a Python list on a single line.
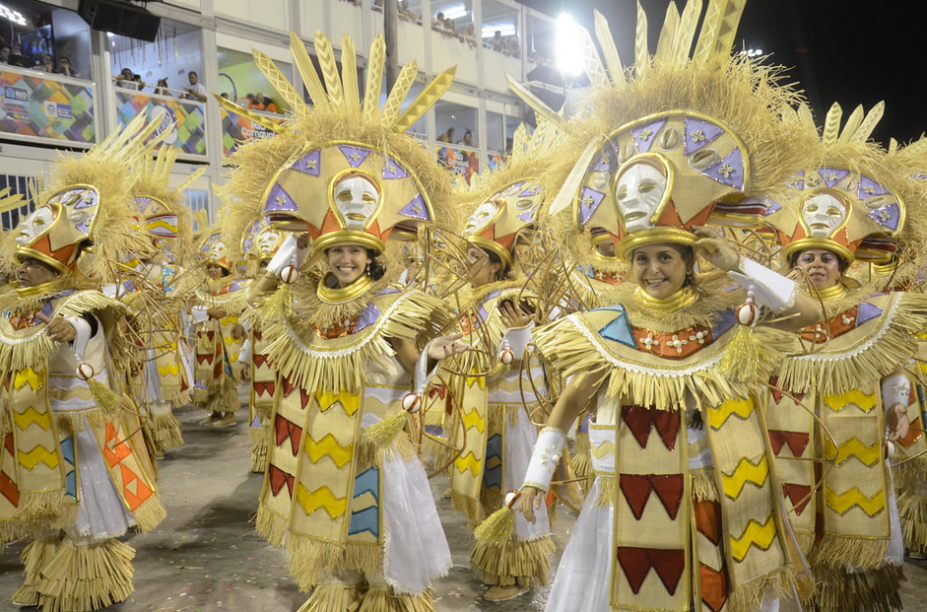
[(375, 269), (841, 262), (688, 258), (193, 72), (504, 269)]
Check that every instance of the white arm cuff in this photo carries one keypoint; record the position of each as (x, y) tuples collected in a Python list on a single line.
[(422, 377), (199, 314), (285, 255), (545, 458), (770, 289), (518, 339), (896, 389), (244, 353), (81, 337)]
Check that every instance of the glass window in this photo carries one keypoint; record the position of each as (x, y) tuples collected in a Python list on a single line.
[(540, 42), (172, 65), (456, 124), (39, 36), (454, 18), (409, 10), (241, 81), (500, 28), (495, 131)]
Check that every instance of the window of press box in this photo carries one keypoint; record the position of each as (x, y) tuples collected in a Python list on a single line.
[(242, 82), (501, 28), (171, 66), (41, 37), (456, 124)]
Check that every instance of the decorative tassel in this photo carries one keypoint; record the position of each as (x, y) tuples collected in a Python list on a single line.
[(741, 357), (383, 433), (106, 399), (498, 526)]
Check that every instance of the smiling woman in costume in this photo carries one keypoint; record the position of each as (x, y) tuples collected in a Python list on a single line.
[(851, 205), (685, 511), (343, 478)]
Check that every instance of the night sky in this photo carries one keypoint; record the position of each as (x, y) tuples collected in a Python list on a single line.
[(851, 52)]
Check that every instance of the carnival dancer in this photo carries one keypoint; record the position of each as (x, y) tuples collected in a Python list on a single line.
[(686, 503), (219, 308), (495, 432), (840, 398), (344, 487), (76, 471)]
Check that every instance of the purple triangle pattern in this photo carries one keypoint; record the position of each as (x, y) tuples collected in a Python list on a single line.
[(278, 199), (601, 164), (310, 163), (589, 203), (392, 170), (87, 199), (699, 133), (527, 216), (142, 203), (645, 135), (832, 176), (368, 317), (772, 207), (354, 155), (730, 170), (866, 312), (887, 216), (416, 209), (798, 181), (532, 190), (869, 187)]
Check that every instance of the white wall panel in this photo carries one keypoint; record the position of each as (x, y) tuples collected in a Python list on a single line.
[(266, 13), (447, 52)]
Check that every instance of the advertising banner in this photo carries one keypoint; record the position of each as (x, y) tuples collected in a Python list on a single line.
[(237, 130), (462, 162), (189, 118), (43, 109)]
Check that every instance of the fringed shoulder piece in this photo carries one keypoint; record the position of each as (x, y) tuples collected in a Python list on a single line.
[(879, 338), (230, 294), (306, 357), (30, 346)]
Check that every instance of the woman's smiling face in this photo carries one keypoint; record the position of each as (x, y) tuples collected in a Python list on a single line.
[(659, 269)]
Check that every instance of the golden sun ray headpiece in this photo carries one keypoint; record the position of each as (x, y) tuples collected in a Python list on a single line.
[(506, 202), (676, 141), (85, 217), (346, 153), (852, 200)]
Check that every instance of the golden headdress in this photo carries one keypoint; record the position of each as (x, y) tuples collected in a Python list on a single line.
[(84, 217), (215, 251), (507, 201), (342, 169), (675, 142), (911, 162), (851, 198), (162, 214)]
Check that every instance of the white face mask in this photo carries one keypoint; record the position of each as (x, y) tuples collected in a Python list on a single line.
[(357, 199), (639, 191), (480, 218), (35, 224), (823, 213), (218, 251), (266, 242)]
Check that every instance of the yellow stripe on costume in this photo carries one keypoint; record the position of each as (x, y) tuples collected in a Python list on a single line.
[(719, 415), (852, 397), (761, 536), (841, 503), (38, 454), (321, 498), (329, 447), (30, 376), (350, 402), (745, 472), (853, 447), (171, 369), (24, 419), (603, 450), (473, 419), (470, 462)]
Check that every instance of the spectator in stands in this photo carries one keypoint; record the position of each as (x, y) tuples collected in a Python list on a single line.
[(511, 46), (405, 13), (467, 139), (224, 95), (450, 28), (5, 54), (161, 88), (447, 136), (258, 103), (497, 42), (438, 23), (126, 79), (269, 105), (48, 64), (196, 91), (470, 35), (250, 99), (139, 83), (65, 68)]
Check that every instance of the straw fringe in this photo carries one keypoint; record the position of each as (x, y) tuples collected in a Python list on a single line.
[(165, 430), (311, 561), (329, 597), (84, 578), (35, 556), (515, 561), (260, 447), (837, 552), (383, 599), (840, 590), (704, 486), (751, 596), (912, 507), (149, 515)]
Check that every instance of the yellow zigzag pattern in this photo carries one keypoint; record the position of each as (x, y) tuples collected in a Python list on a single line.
[(171, 369), (473, 419), (744, 472), (32, 458), (719, 415), (841, 503), (349, 401), (853, 396), (24, 419), (761, 536), (30, 376), (469, 462), (321, 498), (329, 447), (869, 455), (603, 450)]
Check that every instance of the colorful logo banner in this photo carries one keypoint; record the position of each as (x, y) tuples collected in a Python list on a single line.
[(189, 118), (237, 130), (44, 109), (461, 162)]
